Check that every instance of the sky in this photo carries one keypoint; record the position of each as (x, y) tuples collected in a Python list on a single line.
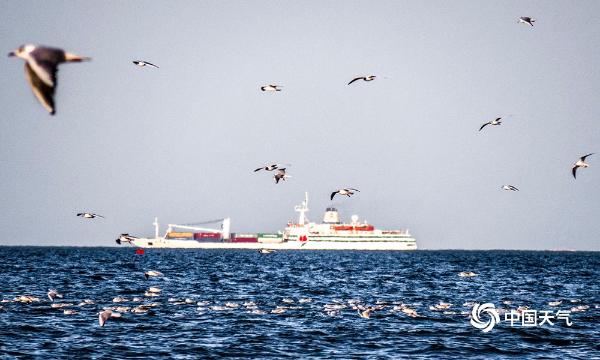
[(180, 142)]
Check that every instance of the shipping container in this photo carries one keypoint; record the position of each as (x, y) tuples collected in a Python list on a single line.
[(244, 239), (209, 235), (270, 238), (179, 235)]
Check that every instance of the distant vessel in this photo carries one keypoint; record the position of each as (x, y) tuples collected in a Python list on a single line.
[(332, 234)]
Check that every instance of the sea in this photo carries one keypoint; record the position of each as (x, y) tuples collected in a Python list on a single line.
[(299, 304)]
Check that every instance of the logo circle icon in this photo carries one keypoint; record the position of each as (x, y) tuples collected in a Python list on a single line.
[(484, 309)]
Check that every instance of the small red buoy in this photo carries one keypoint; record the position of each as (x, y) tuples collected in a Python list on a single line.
[(139, 251)]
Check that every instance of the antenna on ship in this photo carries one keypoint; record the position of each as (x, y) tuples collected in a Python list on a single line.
[(302, 209), (155, 223)]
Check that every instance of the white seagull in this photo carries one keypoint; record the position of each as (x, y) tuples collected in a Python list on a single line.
[(268, 167), (266, 251), (580, 164), (41, 66), (125, 238), (152, 273), (365, 78), (53, 294), (271, 87), (509, 187), (345, 191), (87, 215), (496, 121), (281, 175), (105, 315), (526, 20), (142, 63)]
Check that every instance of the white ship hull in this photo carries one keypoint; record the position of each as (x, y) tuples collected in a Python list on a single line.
[(354, 244)]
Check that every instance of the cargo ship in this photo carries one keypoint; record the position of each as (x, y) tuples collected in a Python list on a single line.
[(331, 234)]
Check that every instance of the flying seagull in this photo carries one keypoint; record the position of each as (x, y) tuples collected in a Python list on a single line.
[(345, 191), (87, 215), (270, 88), (526, 20), (105, 315), (493, 122), (53, 294), (365, 78), (509, 187), (125, 238), (142, 63), (580, 164), (268, 167), (281, 175), (41, 66)]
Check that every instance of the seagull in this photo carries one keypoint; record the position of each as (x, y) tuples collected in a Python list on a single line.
[(281, 175), (493, 122), (266, 251), (142, 63), (53, 294), (105, 315), (89, 215), (125, 238), (152, 273), (268, 167), (526, 20), (366, 313), (509, 187), (270, 88), (580, 164), (41, 65), (345, 191), (365, 78)]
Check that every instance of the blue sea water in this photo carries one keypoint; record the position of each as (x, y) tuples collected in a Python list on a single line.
[(325, 280)]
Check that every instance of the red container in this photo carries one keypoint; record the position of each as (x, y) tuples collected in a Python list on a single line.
[(206, 235)]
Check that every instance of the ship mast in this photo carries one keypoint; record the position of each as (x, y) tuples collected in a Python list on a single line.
[(302, 209)]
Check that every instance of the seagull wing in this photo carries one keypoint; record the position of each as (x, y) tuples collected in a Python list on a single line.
[(484, 125), (277, 179), (258, 169), (575, 171), (583, 157), (99, 216), (102, 317), (332, 195), (355, 79), (353, 189), (151, 64), (43, 91), (514, 188)]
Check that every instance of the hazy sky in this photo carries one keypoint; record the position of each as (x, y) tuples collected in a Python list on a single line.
[(180, 142)]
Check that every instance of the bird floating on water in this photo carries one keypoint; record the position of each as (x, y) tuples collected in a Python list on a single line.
[(580, 164), (526, 20), (271, 88), (496, 121), (466, 274), (142, 63), (509, 187), (281, 175), (87, 215), (345, 191), (41, 66), (266, 251), (105, 315), (152, 273), (53, 294), (364, 78)]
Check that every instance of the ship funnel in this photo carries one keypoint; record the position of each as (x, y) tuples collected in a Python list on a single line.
[(226, 228), (331, 216)]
